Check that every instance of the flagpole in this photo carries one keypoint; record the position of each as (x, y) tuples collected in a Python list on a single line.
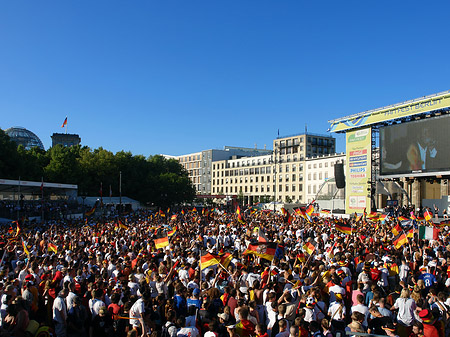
[(18, 202), (42, 199)]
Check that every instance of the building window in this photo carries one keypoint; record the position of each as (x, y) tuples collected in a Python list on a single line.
[(287, 188), (293, 189)]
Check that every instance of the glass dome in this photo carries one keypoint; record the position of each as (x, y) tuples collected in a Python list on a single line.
[(24, 137)]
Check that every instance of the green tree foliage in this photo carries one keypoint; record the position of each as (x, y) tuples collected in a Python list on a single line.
[(154, 181)]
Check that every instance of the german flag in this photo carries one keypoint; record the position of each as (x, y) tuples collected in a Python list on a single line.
[(397, 229), (239, 215), (427, 215), (162, 242), (208, 260), (91, 211), (343, 228), (25, 249), (52, 248), (18, 229), (265, 250), (402, 218), (399, 240), (194, 210), (326, 211), (310, 208), (173, 231), (301, 257), (444, 223), (225, 259), (410, 233), (161, 214), (309, 248), (182, 212), (121, 225), (173, 217), (383, 217)]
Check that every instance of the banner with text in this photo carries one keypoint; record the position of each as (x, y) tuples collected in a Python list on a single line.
[(358, 170), (392, 112)]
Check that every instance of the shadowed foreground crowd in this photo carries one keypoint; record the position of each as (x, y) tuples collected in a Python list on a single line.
[(109, 279)]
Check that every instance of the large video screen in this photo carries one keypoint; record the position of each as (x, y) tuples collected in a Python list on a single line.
[(416, 148)]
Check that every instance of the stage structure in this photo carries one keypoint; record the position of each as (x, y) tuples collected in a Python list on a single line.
[(405, 140)]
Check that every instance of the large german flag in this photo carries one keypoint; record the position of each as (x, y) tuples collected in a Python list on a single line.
[(162, 242), (399, 240), (343, 228), (265, 250), (209, 260)]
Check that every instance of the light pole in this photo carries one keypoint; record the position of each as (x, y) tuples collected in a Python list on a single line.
[(275, 152)]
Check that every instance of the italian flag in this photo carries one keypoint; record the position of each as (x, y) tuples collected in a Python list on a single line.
[(428, 233)]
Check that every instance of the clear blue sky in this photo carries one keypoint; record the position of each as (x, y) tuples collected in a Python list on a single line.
[(176, 77)]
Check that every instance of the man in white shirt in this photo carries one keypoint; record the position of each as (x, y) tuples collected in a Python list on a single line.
[(60, 314), (362, 308)]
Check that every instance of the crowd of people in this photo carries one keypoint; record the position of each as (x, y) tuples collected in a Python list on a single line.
[(216, 274)]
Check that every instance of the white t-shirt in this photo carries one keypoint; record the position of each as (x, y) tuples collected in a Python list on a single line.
[(137, 311), (188, 332)]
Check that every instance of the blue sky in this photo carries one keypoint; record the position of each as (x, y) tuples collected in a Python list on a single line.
[(177, 77)]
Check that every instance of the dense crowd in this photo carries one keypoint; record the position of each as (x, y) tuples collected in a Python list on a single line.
[(213, 274)]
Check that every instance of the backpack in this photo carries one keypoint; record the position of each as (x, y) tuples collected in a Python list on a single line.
[(165, 330)]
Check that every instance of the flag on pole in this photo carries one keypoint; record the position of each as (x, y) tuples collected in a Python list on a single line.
[(400, 240), (162, 242), (265, 250), (64, 123), (91, 211), (410, 233), (310, 208), (428, 233), (121, 225), (173, 231), (427, 215), (25, 249), (396, 230), (343, 228), (239, 214), (208, 260), (18, 229), (309, 248), (52, 248)]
